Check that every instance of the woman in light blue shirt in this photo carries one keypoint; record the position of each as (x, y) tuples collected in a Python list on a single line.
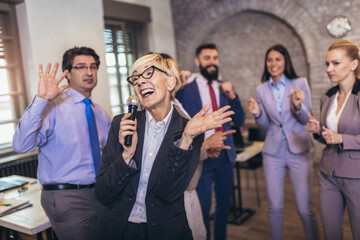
[(282, 107)]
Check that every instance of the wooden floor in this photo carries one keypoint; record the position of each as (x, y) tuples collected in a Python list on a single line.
[(257, 227)]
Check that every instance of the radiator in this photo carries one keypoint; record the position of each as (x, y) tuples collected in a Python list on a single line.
[(25, 167)]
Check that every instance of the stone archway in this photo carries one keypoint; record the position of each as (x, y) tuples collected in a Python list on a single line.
[(193, 28), (242, 41)]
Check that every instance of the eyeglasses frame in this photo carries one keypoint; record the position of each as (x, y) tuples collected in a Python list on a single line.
[(141, 74), (77, 67)]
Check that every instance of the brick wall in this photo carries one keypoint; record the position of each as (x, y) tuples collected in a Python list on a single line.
[(244, 29)]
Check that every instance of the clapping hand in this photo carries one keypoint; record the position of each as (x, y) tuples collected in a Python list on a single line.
[(331, 137), (228, 89), (313, 125), (49, 85), (184, 76), (298, 97), (200, 123), (253, 107)]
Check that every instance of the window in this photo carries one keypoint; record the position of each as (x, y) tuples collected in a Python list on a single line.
[(120, 47), (12, 96), (125, 37)]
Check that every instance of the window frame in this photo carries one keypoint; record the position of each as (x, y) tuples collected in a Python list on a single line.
[(136, 30), (12, 54)]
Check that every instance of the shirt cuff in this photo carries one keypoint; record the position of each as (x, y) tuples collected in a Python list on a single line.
[(37, 106), (177, 142), (258, 116), (132, 164)]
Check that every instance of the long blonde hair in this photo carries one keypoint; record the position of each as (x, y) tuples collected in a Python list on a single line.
[(351, 49)]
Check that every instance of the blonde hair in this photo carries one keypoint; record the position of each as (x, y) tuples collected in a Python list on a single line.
[(164, 62), (351, 49)]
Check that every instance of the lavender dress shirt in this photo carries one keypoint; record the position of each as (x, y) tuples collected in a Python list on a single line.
[(59, 129)]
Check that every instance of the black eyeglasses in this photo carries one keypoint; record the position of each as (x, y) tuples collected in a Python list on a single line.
[(146, 74), (84, 68)]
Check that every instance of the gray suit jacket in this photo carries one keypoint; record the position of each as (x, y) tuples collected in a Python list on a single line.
[(291, 122), (343, 158)]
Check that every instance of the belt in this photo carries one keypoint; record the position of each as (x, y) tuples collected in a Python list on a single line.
[(65, 186)]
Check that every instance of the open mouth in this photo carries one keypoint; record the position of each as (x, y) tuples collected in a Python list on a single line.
[(146, 92), (211, 68)]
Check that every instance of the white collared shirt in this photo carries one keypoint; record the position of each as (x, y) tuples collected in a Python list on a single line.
[(203, 87), (153, 137), (332, 120)]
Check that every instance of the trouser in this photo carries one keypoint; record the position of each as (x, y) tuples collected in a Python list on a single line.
[(135, 231), (336, 193), (220, 172), (300, 170), (194, 215), (72, 213)]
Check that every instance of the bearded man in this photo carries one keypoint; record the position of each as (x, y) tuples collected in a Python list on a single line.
[(207, 88)]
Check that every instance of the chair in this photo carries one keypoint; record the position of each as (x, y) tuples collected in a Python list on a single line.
[(255, 134)]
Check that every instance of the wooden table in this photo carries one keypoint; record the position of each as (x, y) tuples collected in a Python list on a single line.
[(238, 214), (31, 220)]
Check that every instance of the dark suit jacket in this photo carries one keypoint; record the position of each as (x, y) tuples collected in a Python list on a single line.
[(343, 158), (117, 183), (189, 97)]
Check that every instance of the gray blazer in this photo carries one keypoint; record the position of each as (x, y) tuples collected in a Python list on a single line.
[(343, 158), (291, 122)]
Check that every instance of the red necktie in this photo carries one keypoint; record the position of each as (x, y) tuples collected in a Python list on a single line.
[(214, 104)]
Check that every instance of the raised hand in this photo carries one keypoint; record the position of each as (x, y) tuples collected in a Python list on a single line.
[(228, 89), (331, 137), (49, 85), (184, 76), (215, 143), (200, 123), (253, 107), (313, 125), (128, 127), (297, 97)]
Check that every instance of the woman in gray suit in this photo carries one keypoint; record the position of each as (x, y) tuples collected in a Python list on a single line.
[(282, 107), (339, 129)]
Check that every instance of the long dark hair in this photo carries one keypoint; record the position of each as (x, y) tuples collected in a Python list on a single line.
[(289, 70)]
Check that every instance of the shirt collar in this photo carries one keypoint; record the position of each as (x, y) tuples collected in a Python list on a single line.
[(282, 81), (160, 125), (204, 82), (75, 95)]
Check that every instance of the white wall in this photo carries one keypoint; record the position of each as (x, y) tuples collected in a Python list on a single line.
[(49, 27), (160, 30)]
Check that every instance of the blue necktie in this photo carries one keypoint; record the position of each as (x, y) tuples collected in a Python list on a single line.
[(93, 135)]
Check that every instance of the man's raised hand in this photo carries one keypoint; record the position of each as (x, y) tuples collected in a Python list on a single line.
[(49, 85)]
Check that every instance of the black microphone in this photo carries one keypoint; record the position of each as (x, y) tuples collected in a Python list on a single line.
[(133, 102)]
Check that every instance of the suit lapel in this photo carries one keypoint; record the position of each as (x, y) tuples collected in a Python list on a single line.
[(196, 101), (348, 113), (175, 129), (285, 105), (326, 105), (269, 102), (141, 118), (222, 98)]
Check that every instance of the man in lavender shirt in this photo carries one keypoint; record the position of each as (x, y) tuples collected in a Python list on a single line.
[(57, 123)]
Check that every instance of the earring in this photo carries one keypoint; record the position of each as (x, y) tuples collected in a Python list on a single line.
[(169, 88)]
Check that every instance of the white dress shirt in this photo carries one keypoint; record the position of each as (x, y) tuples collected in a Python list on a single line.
[(153, 137), (332, 120), (203, 87)]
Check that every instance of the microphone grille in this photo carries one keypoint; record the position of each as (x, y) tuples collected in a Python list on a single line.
[(133, 100)]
